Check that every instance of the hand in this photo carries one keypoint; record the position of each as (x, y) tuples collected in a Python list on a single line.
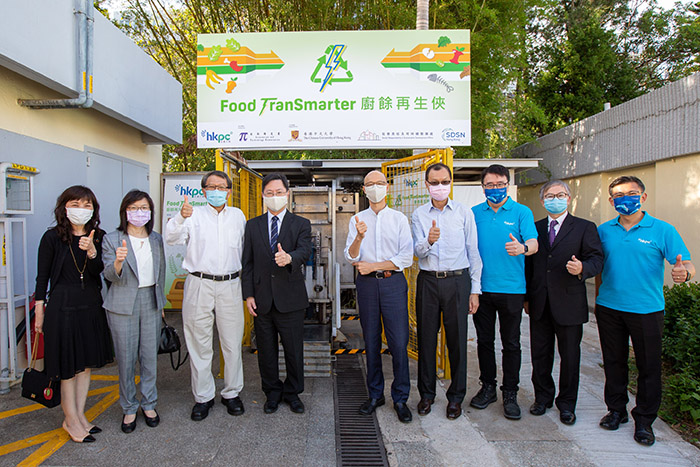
[(186, 209), (514, 247), (88, 244), (574, 266), (361, 227), (251, 305), (122, 251), (473, 303), (679, 273), (282, 258), (363, 267), (433, 233), (162, 313), (39, 317), (526, 307)]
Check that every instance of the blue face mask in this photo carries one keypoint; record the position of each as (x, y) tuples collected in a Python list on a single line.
[(496, 195), (627, 205), (216, 198), (556, 205)]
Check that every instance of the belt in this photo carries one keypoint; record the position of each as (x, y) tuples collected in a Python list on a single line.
[(381, 274), (212, 277), (444, 274)]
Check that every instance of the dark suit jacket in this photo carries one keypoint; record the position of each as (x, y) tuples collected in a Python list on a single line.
[(547, 277), (262, 278)]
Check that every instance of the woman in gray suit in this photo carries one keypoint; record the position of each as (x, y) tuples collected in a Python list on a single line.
[(134, 263)]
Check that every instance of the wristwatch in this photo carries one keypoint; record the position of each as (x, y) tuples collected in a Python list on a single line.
[(526, 248)]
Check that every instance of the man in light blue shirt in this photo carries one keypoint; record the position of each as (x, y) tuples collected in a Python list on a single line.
[(449, 284), (507, 234), (630, 303), (379, 245)]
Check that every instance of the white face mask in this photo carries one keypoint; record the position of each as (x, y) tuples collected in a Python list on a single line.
[(375, 193), (275, 203), (79, 216)]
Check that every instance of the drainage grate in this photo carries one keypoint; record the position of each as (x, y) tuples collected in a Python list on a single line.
[(358, 439)]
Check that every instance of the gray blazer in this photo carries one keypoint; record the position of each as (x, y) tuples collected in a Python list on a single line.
[(121, 295)]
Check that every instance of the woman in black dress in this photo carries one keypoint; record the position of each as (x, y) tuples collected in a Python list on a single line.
[(76, 336)]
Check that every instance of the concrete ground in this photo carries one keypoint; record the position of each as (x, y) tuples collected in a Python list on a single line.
[(479, 437)]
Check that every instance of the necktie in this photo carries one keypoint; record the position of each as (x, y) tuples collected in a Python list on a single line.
[(274, 234), (552, 234)]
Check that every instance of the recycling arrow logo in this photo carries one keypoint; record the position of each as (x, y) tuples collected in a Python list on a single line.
[(326, 72)]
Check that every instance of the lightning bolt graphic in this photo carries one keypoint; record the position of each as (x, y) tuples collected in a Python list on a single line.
[(332, 63)]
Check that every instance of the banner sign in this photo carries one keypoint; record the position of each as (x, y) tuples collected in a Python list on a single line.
[(334, 90)]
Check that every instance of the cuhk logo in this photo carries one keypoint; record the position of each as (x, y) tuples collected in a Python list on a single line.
[(218, 137), (448, 134)]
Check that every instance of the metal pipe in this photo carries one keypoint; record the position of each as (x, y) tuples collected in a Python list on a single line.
[(85, 46)]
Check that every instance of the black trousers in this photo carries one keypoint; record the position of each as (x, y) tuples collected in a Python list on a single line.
[(448, 297), (542, 334), (509, 309), (646, 330), (290, 329)]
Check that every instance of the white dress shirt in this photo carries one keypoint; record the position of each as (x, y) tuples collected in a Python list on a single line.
[(388, 238), (458, 245), (560, 221), (144, 260), (214, 239)]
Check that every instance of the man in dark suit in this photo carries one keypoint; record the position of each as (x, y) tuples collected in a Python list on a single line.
[(277, 244), (569, 253)]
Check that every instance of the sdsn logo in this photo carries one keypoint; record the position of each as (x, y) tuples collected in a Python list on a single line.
[(448, 134), (218, 137)]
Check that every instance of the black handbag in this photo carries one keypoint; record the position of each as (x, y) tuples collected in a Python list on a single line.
[(37, 386), (170, 343)]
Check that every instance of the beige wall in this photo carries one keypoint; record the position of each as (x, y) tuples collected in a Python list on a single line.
[(672, 186), (74, 128)]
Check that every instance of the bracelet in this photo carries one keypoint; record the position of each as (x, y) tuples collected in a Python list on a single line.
[(687, 276), (92, 257)]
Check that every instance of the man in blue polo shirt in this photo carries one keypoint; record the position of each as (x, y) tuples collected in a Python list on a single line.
[(630, 303), (507, 234)]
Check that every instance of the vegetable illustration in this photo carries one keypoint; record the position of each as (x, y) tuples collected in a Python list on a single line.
[(200, 48), (458, 52), (214, 53), (440, 63), (233, 45), (443, 41), (212, 77)]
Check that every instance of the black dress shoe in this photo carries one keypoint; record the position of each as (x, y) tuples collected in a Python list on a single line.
[(567, 417), (201, 410), (454, 410), (370, 405), (296, 405), (644, 435), (424, 406), (94, 430), (234, 405), (271, 406), (151, 421), (511, 409), (403, 412), (538, 408), (485, 396), (612, 420), (128, 427)]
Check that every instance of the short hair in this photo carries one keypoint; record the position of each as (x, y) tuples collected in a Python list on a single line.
[(626, 179), (129, 199), (275, 176), (552, 183), (496, 169), (218, 173), (437, 166)]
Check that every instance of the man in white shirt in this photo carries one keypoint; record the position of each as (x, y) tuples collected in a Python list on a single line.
[(380, 246), (214, 238)]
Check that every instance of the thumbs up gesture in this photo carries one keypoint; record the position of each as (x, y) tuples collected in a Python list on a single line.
[(88, 244), (574, 266), (121, 253), (514, 247), (186, 209), (361, 227), (434, 233), (679, 273), (282, 258)]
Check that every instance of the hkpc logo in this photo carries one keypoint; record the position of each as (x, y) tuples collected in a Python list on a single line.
[(184, 190), (218, 137)]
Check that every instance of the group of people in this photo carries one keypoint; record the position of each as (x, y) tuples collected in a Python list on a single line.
[(491, 261), (494, 261)]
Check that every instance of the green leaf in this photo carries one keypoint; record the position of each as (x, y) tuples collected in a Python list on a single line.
[(443, 41)]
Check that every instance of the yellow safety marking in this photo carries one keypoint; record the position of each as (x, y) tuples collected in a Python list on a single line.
[(52, 441)]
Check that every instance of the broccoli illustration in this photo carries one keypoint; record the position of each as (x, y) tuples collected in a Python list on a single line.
[(214, 53), (443, 41), (233, 45), (200, 48)]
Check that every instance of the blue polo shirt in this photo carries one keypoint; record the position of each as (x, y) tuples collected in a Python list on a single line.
[(633, 271), (503, 273)]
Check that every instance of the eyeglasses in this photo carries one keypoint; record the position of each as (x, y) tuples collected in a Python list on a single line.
[(551, 196), (216, 188), (138, 208), (371, 184), (499, 185), (443, 182), (267, 194), (631, 193)]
